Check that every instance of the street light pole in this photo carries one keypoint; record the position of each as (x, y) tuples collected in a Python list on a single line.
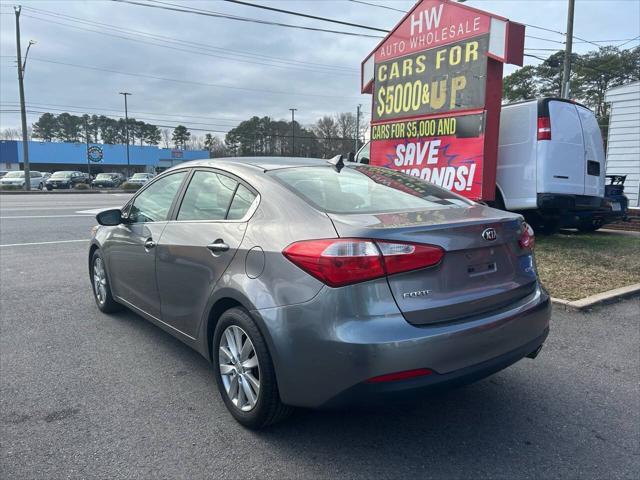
[(293, 131), (357, 128), (566, 91), (126, 129), (86, 138), (23, 109)]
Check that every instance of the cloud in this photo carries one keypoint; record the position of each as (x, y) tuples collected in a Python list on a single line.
[(311, 87)]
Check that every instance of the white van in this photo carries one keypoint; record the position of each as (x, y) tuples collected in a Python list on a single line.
[(551, 164)]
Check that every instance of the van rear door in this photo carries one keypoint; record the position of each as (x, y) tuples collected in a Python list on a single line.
[(561, 164), (594, 153)]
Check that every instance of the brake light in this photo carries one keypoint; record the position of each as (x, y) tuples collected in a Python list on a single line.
[(527, 238), (393, 377), (544, 128), (345, 261)]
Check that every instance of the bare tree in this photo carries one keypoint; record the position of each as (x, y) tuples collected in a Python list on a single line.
[(166, 137), (327, 131), (11, 134)]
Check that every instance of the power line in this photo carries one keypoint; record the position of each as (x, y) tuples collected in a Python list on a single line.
[(225, 51), (629, 41), (379, 6), (195, 51), (146, 119), (209, 13), (189, 82), (94, 108), (299, 14)]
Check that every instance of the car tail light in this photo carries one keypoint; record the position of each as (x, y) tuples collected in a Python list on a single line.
[(544, 128), (344, 261), (393, 377), (527, 238)]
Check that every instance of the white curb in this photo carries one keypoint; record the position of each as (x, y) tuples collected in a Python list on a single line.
[(604, 297)]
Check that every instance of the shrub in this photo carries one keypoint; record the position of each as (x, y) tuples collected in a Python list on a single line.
[(82, 186), (10, 187), (130, 186)]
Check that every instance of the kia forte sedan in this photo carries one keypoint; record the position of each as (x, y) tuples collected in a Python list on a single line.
[(315, 283)]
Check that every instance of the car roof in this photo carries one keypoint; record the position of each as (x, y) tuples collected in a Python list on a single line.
[(263, 163)]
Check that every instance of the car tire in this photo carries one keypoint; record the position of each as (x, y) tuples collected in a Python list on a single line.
[(49, 188), (40, 187), (267, 408), (102, 296)]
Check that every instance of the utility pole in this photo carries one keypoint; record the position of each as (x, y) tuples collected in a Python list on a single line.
[(355, 152), (86, 137), (566, 90), (293, 131), (23, 109), (126, 129)]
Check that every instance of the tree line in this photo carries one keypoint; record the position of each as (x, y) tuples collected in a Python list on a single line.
[(328, 136), (592, 74)]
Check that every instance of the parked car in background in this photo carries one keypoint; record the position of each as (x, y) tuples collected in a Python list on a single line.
[(140, 178), (380, 284), (108, 180), (3, 173), (16, 179), (66, 179)]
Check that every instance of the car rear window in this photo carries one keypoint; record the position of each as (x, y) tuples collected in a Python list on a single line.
[(364, 189)]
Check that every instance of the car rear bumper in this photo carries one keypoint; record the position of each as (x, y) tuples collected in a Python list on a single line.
[(326, 349)]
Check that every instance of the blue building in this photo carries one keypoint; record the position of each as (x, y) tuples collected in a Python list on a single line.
[(52, 156)]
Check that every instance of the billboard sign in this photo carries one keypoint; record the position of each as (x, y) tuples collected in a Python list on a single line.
[(436, 85)]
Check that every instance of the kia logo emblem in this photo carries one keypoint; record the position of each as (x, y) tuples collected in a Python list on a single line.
[(489, 234)]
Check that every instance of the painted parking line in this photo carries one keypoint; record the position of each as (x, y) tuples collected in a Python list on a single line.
[(44, 243)]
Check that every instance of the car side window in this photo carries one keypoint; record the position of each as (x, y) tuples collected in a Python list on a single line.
[(154, 203), (207, 197), (242, 201)]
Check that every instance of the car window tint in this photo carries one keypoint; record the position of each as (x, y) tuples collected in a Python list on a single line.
[(207, 198), (154, 203), (241, 203), (362, 189)]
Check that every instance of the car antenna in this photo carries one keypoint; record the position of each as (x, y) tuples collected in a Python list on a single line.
[(337, 162)]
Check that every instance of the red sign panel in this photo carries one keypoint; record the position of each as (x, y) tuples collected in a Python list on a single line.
[(436, 81), (446, 151), (430, 24)]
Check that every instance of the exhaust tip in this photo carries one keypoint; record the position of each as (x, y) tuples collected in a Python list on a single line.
[(535, 353)]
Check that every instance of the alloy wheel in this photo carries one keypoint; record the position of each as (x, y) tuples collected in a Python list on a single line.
[(99, 281), (239, 368)]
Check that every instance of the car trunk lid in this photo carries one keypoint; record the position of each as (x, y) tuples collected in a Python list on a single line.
[(483, 268)]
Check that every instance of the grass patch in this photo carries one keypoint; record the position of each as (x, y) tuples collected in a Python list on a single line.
[(575, 265)]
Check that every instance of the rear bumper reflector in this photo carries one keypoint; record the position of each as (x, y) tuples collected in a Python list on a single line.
[(405, 375)]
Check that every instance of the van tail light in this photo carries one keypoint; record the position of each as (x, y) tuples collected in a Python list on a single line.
[(544, 128), (345, 261), (527, 238)]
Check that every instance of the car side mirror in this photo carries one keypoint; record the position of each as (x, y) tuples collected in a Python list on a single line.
[(110, 218)]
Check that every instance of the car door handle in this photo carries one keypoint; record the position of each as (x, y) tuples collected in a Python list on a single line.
[(149, 244), (218, 246)]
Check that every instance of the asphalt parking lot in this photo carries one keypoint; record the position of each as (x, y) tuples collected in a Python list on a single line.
[(84, 395)]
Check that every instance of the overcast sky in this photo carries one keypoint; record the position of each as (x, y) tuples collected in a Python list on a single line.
[(319, 74)]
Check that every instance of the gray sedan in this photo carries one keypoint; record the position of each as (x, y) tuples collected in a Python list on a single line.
[(313, 283)]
